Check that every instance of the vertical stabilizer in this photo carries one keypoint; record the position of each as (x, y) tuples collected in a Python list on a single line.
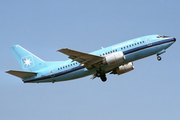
[(27, 60)]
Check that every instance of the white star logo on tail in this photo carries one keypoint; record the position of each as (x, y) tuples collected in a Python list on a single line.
[(27, 62)]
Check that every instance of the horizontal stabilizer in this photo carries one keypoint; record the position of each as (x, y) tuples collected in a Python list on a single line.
[(21, 74)]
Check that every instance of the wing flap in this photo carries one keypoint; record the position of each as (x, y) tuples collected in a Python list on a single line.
[(21, 74)]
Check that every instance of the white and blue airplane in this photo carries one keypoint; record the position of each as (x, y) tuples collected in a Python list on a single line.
[(116, 59)]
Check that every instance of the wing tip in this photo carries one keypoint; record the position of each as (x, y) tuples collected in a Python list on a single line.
[(60, 50)]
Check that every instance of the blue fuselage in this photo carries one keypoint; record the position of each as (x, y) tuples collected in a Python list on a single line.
[(133, 50)]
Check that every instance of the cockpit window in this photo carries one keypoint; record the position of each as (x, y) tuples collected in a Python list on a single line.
[(159, 36), (162, 36)]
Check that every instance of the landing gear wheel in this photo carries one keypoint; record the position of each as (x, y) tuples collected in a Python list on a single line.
[(101, 74), (103, 78), (158, 58)]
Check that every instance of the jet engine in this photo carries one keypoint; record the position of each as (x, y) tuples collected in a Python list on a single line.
[(123, 68), (113, 58)]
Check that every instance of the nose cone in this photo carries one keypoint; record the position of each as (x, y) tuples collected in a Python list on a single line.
[(174, 39)]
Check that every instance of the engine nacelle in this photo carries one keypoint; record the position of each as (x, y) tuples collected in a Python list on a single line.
[(123, 68), (113, 58)]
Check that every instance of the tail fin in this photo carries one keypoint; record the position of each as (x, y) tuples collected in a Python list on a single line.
[(27, 60)]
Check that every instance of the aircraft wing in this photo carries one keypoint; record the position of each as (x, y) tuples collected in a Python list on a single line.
[(21, 74), (87, 60)]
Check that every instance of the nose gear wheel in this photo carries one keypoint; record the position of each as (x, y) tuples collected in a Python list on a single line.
[(159, 58)]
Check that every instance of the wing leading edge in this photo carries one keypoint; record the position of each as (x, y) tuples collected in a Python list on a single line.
[(87, 60)]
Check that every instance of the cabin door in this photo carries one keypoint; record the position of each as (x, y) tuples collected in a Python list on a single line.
[(149, 43)]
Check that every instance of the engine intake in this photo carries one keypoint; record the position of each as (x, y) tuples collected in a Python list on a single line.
[(123, 68), (113, 58)]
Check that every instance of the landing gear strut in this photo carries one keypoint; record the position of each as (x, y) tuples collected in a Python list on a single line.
[(159, 53), (158, 58), (102, 75)]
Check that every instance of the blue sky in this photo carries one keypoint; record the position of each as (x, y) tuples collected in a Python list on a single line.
[(150, 92)]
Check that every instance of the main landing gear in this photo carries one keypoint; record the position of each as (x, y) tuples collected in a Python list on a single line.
[(102, 75), (103, 78), (158, 58)]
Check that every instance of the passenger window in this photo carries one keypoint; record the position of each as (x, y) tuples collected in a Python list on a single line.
[(129, 45)]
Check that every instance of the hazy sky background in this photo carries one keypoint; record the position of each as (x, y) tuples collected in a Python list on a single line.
[(150, 92)]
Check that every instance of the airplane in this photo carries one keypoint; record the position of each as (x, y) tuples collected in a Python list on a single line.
[(116, 59)]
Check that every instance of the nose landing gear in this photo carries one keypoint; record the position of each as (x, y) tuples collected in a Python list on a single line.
[(159, 53)]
